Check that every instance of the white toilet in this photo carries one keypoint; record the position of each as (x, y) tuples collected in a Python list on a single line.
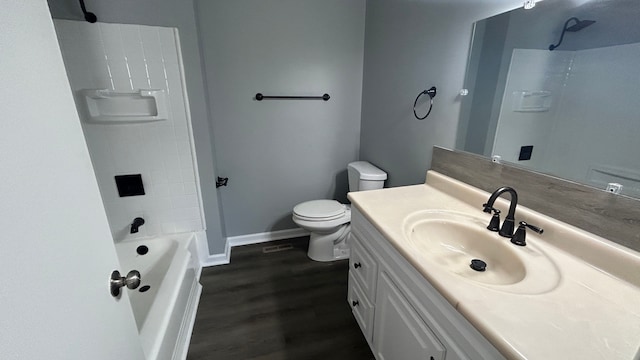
[(328, 221)]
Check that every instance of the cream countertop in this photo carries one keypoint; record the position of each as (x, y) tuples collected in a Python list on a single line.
[(593, 312)]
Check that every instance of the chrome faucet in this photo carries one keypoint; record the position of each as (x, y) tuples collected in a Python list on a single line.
[(507, 226)]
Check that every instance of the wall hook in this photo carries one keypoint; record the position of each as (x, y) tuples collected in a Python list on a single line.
[(221, 181)]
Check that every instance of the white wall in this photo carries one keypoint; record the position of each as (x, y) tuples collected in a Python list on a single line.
[(281, 152), (589, 133), (410, 46), (127, 58), (592, 116), (531, 71), (54, 225)]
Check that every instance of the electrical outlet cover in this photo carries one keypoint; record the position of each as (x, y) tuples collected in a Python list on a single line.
[(525, 152)]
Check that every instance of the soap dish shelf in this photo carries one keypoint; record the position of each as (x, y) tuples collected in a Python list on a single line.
[(531, 101), (106, 106)]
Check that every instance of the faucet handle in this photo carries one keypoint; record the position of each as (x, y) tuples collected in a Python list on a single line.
[(521, 233), (488, 208), (537, 229), (494, 224), (137, 222)]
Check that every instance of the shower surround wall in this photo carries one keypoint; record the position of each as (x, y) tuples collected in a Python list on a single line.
[(542, 75), (579, 111), (178, 14), (126, 58)]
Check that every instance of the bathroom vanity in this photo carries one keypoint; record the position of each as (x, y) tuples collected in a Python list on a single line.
[(567, 294)]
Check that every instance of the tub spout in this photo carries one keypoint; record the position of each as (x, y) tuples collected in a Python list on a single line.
[(137, 222)]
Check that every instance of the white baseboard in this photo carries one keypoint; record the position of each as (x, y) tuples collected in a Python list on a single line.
[(265, 237), (218, 259), (225, 258)]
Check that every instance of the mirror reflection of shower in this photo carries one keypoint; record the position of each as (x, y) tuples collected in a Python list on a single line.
[(576, 105), (579, 25)]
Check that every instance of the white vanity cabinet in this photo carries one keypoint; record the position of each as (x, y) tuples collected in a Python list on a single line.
[(400, 332), (363, 272), (401, 315)]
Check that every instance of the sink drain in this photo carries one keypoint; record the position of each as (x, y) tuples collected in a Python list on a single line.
[(142, 249), (478, 265)]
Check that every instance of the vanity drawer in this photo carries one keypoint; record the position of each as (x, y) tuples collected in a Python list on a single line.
[(363, 267), (361, 308)]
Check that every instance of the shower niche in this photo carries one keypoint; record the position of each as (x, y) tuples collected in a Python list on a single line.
[(107, 106)]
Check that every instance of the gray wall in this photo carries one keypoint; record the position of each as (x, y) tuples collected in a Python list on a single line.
[(278, 153), (179, 14), (482, 80), (410, 46)]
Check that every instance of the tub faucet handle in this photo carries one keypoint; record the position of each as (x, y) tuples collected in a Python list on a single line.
[(137, 222)]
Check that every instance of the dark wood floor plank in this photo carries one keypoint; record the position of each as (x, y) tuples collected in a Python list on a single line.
[(276, 306)]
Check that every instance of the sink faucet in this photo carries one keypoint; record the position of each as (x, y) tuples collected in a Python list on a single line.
[(137, 222), (507, 226)]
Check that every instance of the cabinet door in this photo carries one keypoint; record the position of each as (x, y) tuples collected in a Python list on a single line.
[(361, 307), (363, 267), (399, 332)]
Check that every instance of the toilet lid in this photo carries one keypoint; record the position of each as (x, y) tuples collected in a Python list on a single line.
[(320, 209)]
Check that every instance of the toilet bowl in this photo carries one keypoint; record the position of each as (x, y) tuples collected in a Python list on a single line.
[(328, 221)]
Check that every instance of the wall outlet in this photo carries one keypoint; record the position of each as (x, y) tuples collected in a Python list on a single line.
[(614, 188)]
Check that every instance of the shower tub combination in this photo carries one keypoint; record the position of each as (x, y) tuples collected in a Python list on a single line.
[(130, 92), (165, 304)]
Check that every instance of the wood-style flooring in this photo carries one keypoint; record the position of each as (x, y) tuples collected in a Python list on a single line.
[(276, 306)]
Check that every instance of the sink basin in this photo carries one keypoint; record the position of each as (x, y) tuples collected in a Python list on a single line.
[(453, 244), (451, 240)]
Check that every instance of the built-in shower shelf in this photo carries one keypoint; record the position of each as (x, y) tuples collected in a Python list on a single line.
[(531, 101), (111, 107)]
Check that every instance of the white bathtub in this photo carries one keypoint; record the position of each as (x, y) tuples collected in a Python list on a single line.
[(165, 313)]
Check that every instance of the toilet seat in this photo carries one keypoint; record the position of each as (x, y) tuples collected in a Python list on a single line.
[(320, 210)]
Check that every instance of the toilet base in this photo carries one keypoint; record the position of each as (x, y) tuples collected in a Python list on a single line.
[(330, 247)]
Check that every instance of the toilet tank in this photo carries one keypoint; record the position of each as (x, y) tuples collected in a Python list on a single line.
[(364, 176)]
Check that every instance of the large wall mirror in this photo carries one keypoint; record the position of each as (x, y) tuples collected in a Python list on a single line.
[(556, 89)]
